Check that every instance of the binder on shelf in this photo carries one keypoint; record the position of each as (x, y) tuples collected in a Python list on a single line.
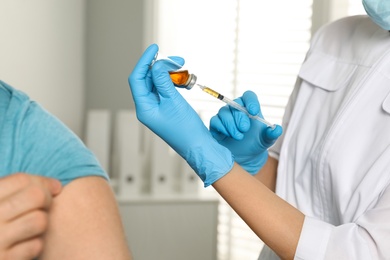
[(129, 155), (190, 182), (98, 135), (163, 174)]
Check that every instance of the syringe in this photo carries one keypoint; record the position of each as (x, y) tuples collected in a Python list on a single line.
[(183, 79), (234, 104)]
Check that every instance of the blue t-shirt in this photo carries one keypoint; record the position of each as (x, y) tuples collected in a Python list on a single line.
[(34, 141)]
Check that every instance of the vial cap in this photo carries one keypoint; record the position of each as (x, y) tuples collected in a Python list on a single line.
[(191, 81)]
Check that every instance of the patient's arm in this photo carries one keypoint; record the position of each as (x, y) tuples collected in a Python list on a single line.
[(85, 223)]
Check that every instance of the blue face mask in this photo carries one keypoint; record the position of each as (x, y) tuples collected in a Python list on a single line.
[(379, 11)]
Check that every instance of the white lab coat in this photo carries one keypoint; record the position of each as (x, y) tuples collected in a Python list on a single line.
[(334, 156)]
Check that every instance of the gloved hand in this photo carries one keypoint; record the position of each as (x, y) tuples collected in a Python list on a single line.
[(246, 138), (163, 110)]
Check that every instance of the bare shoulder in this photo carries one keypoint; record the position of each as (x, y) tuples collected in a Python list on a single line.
[(85, 223)]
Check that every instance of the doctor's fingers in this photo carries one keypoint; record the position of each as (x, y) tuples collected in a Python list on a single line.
[(162, 80), (228, 124), (272, 134), (139, 77), (27, 199), (251, 102)]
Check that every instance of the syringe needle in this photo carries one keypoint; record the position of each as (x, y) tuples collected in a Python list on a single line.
[(234, 105)]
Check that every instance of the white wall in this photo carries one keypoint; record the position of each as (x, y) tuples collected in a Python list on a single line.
[(42, 54)]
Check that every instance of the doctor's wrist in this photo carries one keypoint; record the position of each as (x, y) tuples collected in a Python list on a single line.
[(210, 160)]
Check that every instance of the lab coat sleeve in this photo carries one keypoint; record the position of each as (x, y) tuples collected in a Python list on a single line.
[(366, 238)]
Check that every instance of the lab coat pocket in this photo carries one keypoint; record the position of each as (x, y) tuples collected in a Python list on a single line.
[(326, 72)]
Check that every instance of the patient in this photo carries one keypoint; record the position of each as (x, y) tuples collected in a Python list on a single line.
[(38, 218)]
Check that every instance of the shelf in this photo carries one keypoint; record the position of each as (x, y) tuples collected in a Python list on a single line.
[(172, 198)]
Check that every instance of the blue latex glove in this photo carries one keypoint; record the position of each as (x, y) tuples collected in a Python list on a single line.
[(163, 110), (246, 138)]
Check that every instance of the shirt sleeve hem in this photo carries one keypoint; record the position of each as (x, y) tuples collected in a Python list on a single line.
[(313, 240), (273, 155)]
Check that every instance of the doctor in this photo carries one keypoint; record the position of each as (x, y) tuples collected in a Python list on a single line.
[(330, 169)]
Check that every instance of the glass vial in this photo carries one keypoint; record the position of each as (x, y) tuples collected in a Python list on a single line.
[(183, 79)]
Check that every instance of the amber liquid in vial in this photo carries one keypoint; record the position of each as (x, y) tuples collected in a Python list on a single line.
[(179, 78)]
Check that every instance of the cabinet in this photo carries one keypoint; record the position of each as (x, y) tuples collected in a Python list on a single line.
[(171, 228)]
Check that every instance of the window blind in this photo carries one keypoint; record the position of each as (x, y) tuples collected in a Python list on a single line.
[(233, 46), (204, 33), (271, 45)]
